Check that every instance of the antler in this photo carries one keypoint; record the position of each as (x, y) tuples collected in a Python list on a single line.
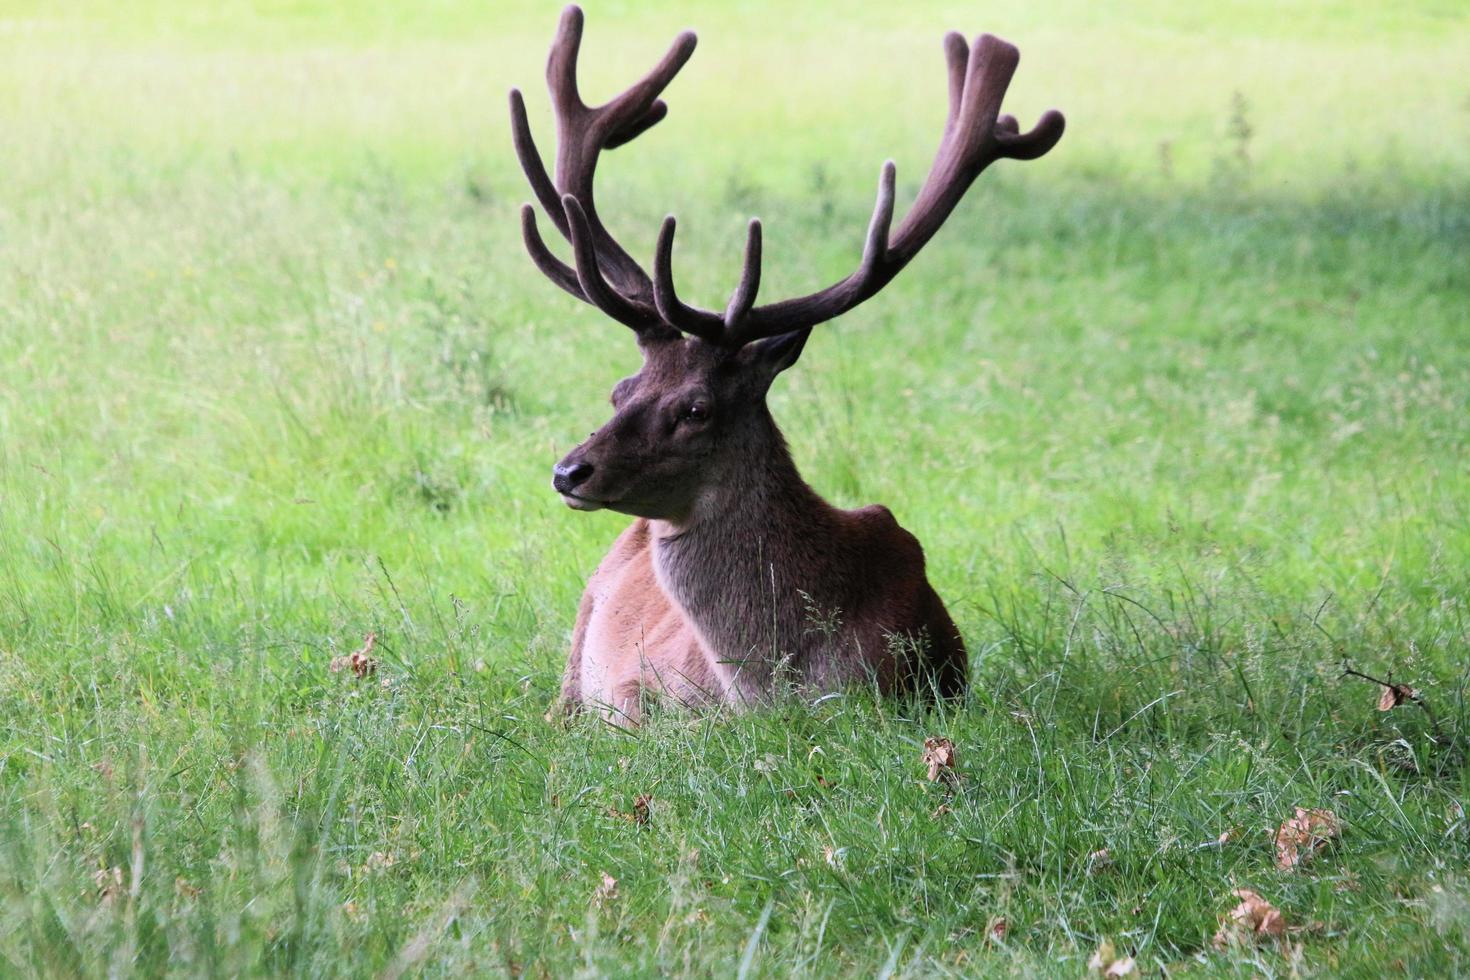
[(605, 275), (975, 135)]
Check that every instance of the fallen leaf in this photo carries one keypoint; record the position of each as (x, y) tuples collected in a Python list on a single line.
[(1226, 836), (361, 664), (1106, 961), (939, 756), (109, 882), (1396, 694), (379, 861), (607, 891), (1253, 919), (1304, 835), (641, 812)]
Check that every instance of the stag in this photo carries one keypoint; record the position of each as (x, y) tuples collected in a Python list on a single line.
[(736, 580)]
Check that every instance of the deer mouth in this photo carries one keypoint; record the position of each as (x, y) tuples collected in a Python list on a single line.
[(582, 503)]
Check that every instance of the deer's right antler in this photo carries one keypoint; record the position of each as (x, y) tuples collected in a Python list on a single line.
[(975, 135)]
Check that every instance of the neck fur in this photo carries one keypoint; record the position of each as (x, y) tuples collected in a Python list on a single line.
[(746, 565)]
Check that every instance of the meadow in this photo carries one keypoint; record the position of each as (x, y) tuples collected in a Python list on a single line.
[(1181, 414)]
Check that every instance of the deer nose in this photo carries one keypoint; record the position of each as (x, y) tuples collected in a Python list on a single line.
[(566, 477)]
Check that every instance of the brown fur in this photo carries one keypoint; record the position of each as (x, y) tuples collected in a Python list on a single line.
[(737, 581)]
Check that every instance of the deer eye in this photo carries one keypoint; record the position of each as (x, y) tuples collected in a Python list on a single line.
[(696, 412)]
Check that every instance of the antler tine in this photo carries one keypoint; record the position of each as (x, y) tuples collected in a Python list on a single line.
[(531, 163), (638, 126), (992, 63), (595, 288), (1036, 143), (875, 249), (552, 267), (672, 310), (743, 298), (638, 100), (956, 56), (561, 64)]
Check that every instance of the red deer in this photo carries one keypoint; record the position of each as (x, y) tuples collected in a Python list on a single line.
[(736, 580)]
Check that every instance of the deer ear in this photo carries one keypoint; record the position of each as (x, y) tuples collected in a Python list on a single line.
[(776, 354)]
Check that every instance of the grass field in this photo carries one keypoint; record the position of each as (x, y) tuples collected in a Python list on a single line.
[(1181, 414)]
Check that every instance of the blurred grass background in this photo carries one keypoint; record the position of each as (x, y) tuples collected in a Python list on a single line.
[(1180, 413)]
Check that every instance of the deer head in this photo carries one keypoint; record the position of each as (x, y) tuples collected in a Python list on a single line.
[(696, 414)]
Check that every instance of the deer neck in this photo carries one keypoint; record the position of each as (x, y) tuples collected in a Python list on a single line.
[(750, 566)]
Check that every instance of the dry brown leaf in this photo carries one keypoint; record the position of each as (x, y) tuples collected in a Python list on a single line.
[(939, 756), (607, 891), (358, 661), (379, 861), (1304, 835), (640, 814), (1106, 961), (109, 882), (1253, 919), (1394, 695), (1226, 836)]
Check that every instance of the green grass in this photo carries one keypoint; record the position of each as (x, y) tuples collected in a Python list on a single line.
[(1181, 414)]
